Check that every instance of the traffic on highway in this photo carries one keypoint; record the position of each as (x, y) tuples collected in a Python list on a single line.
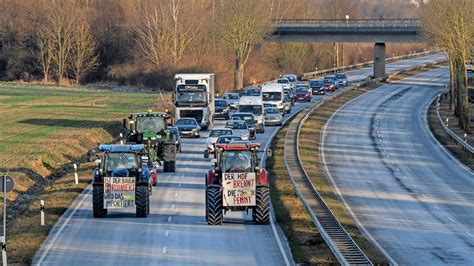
[(195, 178)]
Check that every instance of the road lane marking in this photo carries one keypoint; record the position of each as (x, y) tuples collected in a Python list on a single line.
[(176, 194), (167, 233), (164, 250), (172, 206), (169, 219)]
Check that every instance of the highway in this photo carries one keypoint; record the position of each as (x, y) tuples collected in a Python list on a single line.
[(406, 191), (175, 232)]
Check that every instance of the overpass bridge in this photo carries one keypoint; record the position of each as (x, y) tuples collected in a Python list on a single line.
[(377, 31)]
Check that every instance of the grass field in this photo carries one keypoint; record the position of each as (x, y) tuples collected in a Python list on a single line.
[(43, 130)]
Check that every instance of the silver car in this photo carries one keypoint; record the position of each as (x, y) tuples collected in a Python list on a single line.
[(273, 117), (239, 128)]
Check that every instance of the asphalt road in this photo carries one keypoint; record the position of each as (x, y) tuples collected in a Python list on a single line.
[(408, 193), (175, 232)]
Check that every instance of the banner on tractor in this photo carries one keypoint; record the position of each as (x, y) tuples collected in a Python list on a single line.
[(119, 192), (239, 189)]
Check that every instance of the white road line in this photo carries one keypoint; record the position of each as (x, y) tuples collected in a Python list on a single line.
[(169, 219), (176, 194), (167, 233), (172, 206), (451, 219), (164, 250), (56, 235)]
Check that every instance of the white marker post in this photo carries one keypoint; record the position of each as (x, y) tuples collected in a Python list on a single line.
[(121, 138), (42, 212), (76, 177), (4, 250)]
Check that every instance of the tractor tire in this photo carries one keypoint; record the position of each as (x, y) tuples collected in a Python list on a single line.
[(262, 209), (142, 200), (169, 158), (98, 202), (214, 214)]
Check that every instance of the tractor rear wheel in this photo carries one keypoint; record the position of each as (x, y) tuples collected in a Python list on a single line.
[(262, 209), (98, 202), (169, 158), (142, 200), (214, 212)]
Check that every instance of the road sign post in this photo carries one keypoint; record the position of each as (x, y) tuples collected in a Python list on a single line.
[(6, 185)]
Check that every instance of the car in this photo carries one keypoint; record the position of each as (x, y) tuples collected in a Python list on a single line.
[(188, 127), (175, 132), (303, 93), (265, 105), (221, 109), (239, 128), (285, 83), (287, 104), (213, 136), (317, 86), (232, 99), (253, 105), (342, 80), (291, 95), (292, 78), (273, 117), (249, 118), (330, 83), (250, 91), (273, 93)]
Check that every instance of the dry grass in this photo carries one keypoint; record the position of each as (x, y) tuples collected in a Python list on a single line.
[(45, 129), (438, 131), (307, 245)]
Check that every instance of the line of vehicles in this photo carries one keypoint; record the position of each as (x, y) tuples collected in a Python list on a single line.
[(125, 173)]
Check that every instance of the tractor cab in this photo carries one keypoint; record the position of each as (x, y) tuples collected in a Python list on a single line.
[(121, 180), (152, 130)]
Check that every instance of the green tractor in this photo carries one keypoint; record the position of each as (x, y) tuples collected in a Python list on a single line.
[(150, 129)]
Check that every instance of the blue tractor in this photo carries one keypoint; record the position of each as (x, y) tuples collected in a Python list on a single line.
[(121, 180)]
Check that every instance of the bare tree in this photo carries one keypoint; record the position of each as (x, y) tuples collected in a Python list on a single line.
[(60, 30), (243, 25), (448, 24), (83, 52), (44, 53), (165, 30)]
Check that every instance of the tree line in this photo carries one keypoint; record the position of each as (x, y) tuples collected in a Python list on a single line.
[(144, 42)]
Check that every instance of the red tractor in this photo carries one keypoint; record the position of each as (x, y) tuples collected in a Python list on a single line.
[(237, 183)]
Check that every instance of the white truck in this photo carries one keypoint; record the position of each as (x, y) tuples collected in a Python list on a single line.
[(254, 105), (194, 97), (274, 94)]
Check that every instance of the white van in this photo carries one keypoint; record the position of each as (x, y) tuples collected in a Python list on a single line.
[(274, 94), (254, 105)]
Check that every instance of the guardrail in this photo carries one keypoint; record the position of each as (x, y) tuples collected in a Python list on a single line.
[(351, 22), (450, 134)]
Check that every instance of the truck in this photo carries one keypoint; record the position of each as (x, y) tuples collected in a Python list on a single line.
[(194, 98), (273, 93), (152, 129), (237, 183), (121, 180), (254, 105)]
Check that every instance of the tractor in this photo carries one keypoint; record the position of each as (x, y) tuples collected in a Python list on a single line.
[(121, 180), (237, 183), (150, 129)]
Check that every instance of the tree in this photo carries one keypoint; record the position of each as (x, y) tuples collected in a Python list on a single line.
[(165, 30), (44, 52), (448, 24), (60, 30), (243, 25), (83, 56)]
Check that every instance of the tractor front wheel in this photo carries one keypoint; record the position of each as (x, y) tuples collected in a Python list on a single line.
[(261, 212), (98, 202), (142, 200), (214, 212), (169, 158)]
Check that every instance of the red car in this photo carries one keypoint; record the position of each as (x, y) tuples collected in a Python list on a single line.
[(303, 93)]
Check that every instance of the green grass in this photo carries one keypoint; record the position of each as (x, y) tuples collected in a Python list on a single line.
[(44, 128)]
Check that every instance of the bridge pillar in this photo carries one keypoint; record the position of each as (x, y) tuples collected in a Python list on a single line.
[(379, 60)]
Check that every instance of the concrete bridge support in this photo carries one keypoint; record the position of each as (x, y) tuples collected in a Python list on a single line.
[(379, 60)]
